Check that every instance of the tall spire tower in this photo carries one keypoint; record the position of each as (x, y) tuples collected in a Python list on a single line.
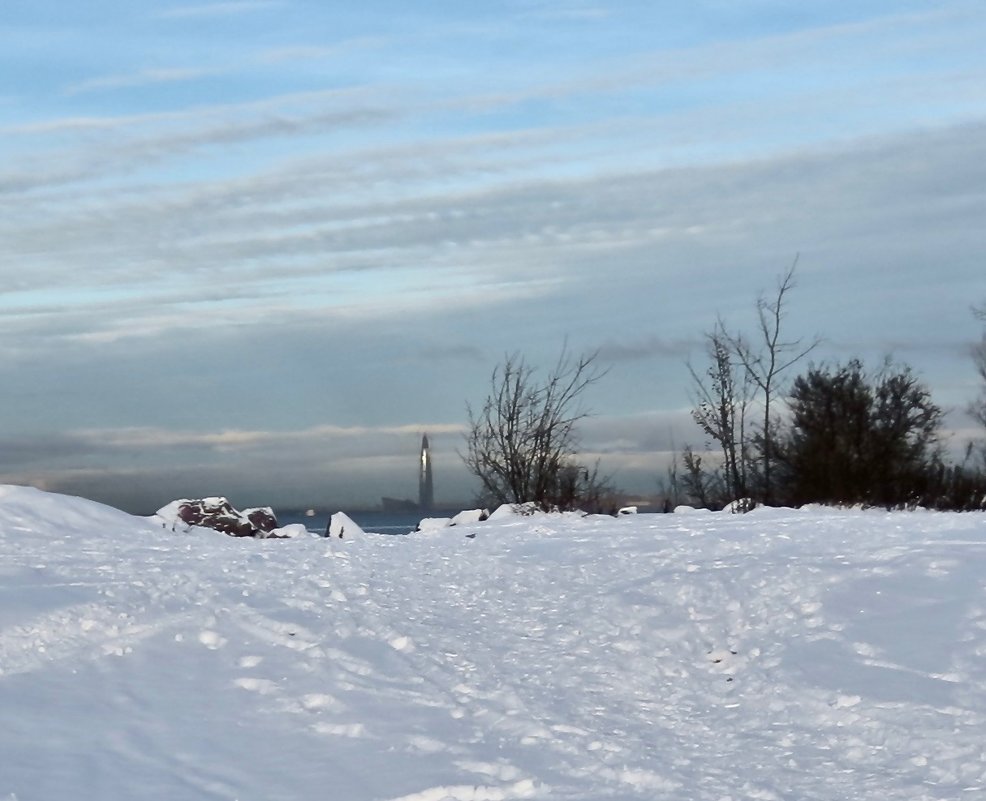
[(426, 486)]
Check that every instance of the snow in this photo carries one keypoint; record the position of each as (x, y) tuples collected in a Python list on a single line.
[(440, 525), (342, 526), (469, 516), (509, 510), (783, 654), (433, 525)]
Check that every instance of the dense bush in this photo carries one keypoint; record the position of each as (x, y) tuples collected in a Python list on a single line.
[(859, 438)]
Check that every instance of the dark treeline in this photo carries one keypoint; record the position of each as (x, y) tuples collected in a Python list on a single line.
[(831, 434)]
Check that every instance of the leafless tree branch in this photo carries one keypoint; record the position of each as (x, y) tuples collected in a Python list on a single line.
[(521, 444)]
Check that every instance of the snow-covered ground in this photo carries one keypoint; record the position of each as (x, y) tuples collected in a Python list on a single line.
[(795, 655)]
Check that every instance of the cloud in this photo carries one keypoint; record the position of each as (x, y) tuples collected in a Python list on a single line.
[(452, 353), (742, 66), (141, 152), (649, 431), (684, 136), (145, 77), (316, 437), (565, 12), (613, 351), (22, 452), (373, 229), (287, 102), (308, 52), (143, 468), (226, 9), (150, 77)]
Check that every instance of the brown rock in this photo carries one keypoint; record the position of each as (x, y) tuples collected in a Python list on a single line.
[(220, 515)]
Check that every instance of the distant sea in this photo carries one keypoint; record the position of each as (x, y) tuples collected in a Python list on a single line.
[(375, 521)]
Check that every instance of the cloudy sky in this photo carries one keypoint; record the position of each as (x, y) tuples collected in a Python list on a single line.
[(258, 247)]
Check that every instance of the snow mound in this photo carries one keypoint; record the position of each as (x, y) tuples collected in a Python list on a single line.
[(29, 509), (437, 525), (684, 509), (431, 525), (513, 510), (469, 516), (290, 531), (168, 515)]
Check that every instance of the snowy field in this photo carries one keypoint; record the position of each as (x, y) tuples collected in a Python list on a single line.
[(794, 655)]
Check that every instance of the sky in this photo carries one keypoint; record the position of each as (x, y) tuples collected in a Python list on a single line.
[(257, 248)]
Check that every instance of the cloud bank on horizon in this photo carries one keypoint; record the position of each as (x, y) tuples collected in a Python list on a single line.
[(258, 248)]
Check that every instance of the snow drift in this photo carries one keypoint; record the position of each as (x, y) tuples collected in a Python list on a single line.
[(782, 654)]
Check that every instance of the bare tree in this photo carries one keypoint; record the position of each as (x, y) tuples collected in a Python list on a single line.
[(669, 487), (700, 484), (721, 400), (766, 362), (521, 444)]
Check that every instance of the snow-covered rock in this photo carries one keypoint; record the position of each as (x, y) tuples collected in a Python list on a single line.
[(685, 509), (740, 506), (437, 525), (342, 527), (218, 514), (290, 531), (262, 518), (469, 516), (429, 525), (511, 510)]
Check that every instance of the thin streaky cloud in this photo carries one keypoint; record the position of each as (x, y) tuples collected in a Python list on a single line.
[(128, 324), (220, 9), (145, 77), (150, 437), (144, 151), (544, 214), (649, 348), (301, 52), (196, 113), (268, 57), (566, 12), (293, 123), (666, 67)]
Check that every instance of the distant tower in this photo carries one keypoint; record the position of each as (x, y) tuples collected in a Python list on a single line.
[(426, 486)]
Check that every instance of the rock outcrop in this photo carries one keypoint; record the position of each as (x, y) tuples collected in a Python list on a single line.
[(220, 515)]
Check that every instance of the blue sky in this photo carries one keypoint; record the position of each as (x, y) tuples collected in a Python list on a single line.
[(257, 247)]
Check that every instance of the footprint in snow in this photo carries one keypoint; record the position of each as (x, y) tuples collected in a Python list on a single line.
[(720, 655)]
